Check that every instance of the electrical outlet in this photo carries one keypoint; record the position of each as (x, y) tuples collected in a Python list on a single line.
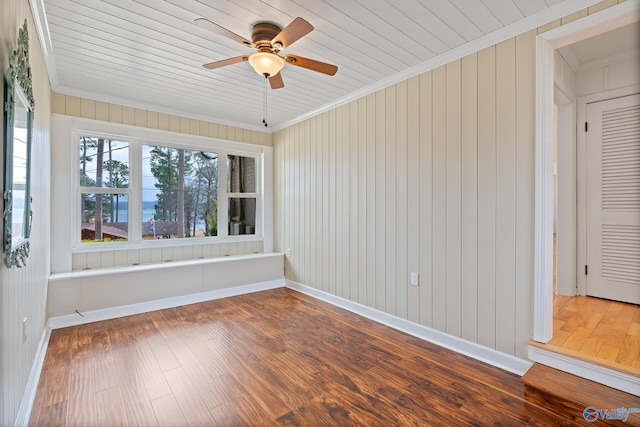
[(25, 329), (288, 252), (414, 279)]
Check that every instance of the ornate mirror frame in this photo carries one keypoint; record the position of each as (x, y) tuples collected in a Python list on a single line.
[(18, 122)]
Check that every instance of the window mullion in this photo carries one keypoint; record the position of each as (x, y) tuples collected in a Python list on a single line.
[(135, 197), (223, 203), (259, 200)]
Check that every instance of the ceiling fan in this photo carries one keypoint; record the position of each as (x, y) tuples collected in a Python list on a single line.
[(269, 39)]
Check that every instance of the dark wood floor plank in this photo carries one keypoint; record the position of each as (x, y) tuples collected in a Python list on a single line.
[(580, 392), (274, 358)]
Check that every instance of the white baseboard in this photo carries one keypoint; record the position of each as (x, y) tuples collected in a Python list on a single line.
[(29, 395), (459, 345), (147, 306), (590, 371)]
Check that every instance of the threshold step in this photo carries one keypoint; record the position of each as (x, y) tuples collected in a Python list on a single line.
[(584, 393)]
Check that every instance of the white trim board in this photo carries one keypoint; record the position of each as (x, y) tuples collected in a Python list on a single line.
[(590, 371), (606, 20), (145, 307), (29, 395), (476, 351)]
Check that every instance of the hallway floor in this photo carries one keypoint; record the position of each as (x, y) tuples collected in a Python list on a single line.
[(597, 330)]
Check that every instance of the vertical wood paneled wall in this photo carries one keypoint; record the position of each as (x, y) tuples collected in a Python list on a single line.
[(114, 113), (23, 291), (433, 175), (419, 177)]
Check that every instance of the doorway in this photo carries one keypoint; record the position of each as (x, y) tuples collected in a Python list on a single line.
[(547, 44)]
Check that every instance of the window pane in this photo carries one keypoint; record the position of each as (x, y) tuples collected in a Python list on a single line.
[(104, 217), (241, 174), (242, 216), (179, 193), (104, 163)]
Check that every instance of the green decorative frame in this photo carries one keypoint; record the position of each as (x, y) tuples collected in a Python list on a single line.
[(18, 87)]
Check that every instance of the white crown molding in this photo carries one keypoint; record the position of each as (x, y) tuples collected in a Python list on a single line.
[(476, 351), (527, 24), (42, 29)]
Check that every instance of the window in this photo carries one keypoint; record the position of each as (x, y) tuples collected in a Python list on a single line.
[(241, 186), (173, 190), (179, 193), (104, 189)]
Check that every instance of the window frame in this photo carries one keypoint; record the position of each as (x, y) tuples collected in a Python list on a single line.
[(100, 190), (136, 138), (240, 195)]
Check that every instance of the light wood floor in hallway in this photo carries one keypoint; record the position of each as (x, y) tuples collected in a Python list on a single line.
[(273, 358), (597, 330)]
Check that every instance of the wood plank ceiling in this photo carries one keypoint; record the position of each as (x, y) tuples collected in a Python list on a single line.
[(149, 53)]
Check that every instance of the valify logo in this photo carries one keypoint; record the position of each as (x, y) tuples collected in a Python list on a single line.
[(592, 414)]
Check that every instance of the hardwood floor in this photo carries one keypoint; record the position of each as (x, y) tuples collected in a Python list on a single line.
[(273, 358), (597, 330)]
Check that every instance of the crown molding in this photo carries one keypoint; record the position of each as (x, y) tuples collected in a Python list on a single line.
[(42, 29)]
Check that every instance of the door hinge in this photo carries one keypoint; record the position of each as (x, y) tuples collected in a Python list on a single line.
[(586, 126), (586, 270)]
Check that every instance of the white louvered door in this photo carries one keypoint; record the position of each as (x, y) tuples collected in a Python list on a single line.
[(613, 199)]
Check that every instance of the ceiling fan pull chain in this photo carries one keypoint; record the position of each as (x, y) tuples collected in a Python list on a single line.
[(264, 111)]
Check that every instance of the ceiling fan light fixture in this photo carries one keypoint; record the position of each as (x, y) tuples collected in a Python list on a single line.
[(266, 63)]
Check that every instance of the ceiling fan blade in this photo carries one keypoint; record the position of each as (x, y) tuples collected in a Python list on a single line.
[(311, 64), (212, 26), (293, 32), (276, 81), (225, 62)]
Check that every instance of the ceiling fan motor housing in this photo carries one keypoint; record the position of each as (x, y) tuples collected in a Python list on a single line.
[(262, 34)]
